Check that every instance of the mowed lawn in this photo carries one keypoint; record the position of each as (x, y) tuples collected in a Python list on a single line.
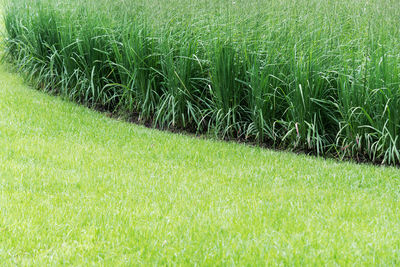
[(79, 188)]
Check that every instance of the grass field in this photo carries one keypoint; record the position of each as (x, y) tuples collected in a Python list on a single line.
[(78, 188), (321, 76)]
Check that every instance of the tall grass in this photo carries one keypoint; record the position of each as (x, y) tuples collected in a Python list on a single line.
[(318, 76)]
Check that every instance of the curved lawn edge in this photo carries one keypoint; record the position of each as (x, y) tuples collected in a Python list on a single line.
[(77, 187)]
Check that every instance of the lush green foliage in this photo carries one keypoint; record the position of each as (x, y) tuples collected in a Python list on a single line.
[(320, 76), (80, 189)]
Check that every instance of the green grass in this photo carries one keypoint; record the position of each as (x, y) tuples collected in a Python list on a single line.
[(79, 188), (321, 76)]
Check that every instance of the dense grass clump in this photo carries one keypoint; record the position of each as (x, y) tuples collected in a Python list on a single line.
[(319, 76)]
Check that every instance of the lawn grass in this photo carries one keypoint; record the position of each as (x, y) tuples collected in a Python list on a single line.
[(78, 188)]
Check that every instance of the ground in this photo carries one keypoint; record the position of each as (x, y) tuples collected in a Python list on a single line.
[(79, 188)]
